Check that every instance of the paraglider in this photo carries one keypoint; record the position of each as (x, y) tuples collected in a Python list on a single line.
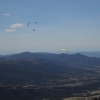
[(64, 51), (30, 23)]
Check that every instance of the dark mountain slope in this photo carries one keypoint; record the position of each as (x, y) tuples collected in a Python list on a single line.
[(27, 70), (46, 76), (67, 58)]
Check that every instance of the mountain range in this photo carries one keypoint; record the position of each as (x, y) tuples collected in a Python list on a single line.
[(36, 76), (91, 54), (76, 59)]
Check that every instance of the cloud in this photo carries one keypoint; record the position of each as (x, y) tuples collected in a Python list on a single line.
[(7, 14), (10, 30), (17, 25)]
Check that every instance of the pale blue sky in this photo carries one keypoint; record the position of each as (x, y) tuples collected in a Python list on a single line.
[(70, 24)]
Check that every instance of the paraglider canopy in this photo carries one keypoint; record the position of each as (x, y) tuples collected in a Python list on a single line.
[(64, 50), (31, 22)]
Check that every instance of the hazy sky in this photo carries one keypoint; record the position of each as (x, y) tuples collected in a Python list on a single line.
[(70, 24)]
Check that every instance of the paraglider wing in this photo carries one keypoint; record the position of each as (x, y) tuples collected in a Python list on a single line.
[(64, 50), (31, 22)]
